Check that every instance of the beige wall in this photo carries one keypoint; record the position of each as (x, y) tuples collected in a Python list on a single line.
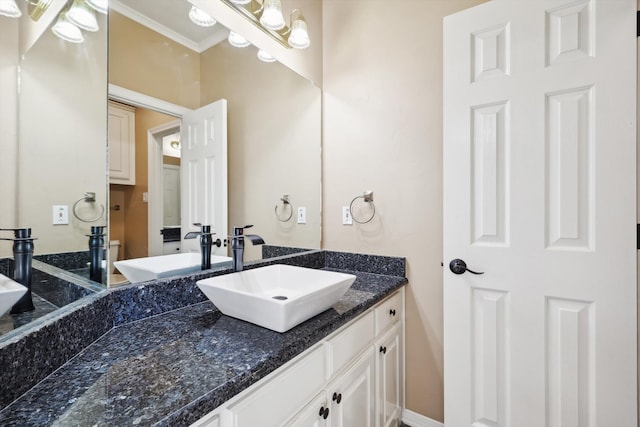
[(146, 62), (9, 126), (273, 143), (382, 129), (62, 131)]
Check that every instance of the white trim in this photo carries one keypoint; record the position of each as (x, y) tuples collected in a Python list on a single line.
[(128, 96), (141, 19), (414, 419), (156, 202), (144, 20)]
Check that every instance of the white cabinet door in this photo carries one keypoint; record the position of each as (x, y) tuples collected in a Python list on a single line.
[(122, 144), (352, 395), (315, 414), (389, 390), (540, 195), (273, 403)]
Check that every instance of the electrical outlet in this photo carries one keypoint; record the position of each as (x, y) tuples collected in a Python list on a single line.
[(346, 216), (302, 215), (60, 215)]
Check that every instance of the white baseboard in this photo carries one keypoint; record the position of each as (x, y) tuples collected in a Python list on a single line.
[(414, 419)]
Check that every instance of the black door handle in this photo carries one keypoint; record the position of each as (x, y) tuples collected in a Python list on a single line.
[(458, 266)]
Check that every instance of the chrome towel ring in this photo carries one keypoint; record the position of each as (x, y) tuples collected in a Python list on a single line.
[(89, 197), (285, 202), (368, 198)]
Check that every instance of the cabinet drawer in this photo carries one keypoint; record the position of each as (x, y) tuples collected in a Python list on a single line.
[(274, 402), (348, 344), (389, 312)]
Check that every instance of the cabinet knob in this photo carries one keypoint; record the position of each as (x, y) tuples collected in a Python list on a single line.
[(392, 312), (337, 397), (383, 350), (324, 412)]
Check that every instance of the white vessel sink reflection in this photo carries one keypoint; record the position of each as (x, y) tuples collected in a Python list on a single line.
[(277, 297), (159, 267), (10, 292)]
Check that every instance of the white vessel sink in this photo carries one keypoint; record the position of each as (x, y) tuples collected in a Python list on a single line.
[(10, 293), (158, 267), (277, 297)]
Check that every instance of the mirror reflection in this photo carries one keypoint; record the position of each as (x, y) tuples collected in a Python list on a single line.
[(272, 129), (59, 187)]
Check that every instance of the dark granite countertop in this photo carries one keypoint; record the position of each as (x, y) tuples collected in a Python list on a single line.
[(173, 368)]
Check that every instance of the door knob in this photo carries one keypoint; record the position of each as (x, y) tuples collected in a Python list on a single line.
[(458, 266)]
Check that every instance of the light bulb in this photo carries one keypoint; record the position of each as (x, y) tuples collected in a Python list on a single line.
[(271, 16), (241, 1), (10, 8), (66, 30), (201, 18), (299, 37), (82, 16), (265, 56), (101, 6), (236, 40)]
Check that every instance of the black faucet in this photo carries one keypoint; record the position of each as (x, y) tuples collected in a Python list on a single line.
[(206, 242), (96, 251), (22, 257), (237, 245)]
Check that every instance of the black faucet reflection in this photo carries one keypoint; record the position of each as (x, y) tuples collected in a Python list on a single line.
[(96, 251), (22, 257), (206, 243), (237, 245)]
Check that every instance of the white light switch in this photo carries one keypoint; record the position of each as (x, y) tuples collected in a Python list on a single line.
[(346, 216), (302, 215), (60, 215)]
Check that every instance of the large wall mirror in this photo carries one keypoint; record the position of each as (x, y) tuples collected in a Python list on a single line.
[(273, 130), (61, 114)]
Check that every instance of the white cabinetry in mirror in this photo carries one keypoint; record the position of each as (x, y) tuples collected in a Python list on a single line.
[(345, 381), (122, 144)]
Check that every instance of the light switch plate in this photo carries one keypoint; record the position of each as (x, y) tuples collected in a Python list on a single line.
[(302, 215), (60, 215), (346, 216)]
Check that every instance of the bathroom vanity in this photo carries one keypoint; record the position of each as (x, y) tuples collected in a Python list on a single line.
[(169, 357)]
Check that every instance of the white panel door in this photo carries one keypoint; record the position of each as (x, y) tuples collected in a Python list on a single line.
[(539, 194), (204, 173), (171, 195)]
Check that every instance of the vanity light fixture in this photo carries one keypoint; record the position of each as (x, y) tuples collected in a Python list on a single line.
[(101, 6), (66, 30), (267, 15), (236, 40), (265, 56), (82, 16), (10, 8), (272, 17), (201, 18)]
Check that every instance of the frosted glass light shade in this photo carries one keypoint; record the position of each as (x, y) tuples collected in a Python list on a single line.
[(272, 17), (265, 56), (236, 40), (101, 6), (299, 37), (82, 16), (201, 18), (10, 8), (240, 1), (66, 30)]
